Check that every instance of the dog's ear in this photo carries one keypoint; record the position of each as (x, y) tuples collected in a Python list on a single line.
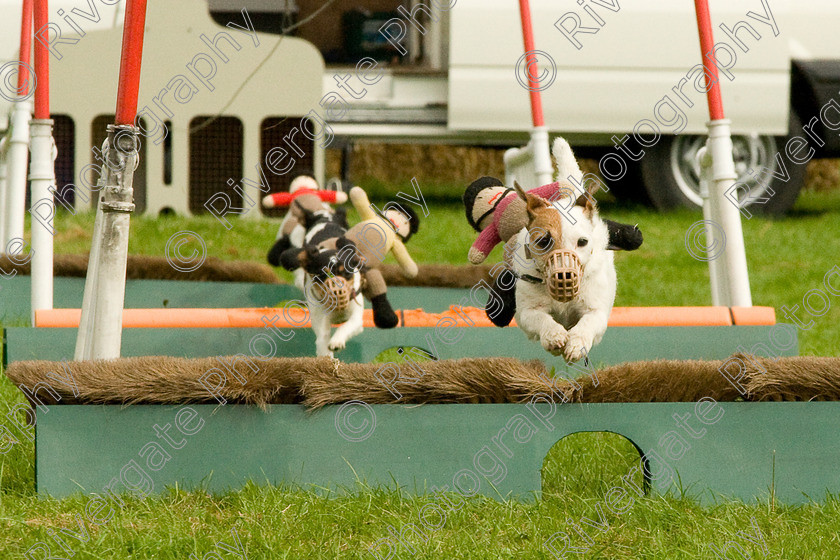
[(311, 252), (520, 191), (293, 258), (532, 202), (587, 199), (277, 249), (349, 255)]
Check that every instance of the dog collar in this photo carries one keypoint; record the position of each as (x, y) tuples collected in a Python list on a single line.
[(528, 278)]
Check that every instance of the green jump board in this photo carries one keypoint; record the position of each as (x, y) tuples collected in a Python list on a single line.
[(15, 295), (789, 448), (620, 344)]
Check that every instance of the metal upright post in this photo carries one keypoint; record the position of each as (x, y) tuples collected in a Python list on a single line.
[(42, 175), (722, 211), (14, 198), (100, 327)]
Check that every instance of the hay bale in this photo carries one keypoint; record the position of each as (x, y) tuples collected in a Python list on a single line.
[(822, 175), (428, 163), (438, 275), (143, 267)]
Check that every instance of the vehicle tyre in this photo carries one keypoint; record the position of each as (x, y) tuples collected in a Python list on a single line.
[(671, 175), (631, 187)]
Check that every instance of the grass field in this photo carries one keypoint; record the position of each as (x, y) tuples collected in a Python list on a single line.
[(787, 258)]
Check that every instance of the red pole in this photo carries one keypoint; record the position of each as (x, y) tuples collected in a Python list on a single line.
[(132, 56), (528, 36), (42, 62), (25, 49), (707, 45)]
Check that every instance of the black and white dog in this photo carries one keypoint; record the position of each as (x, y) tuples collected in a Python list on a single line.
[(327, 272)]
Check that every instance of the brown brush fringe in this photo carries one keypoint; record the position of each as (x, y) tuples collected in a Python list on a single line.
[(467, 380), (320, 381), (156, 379), (802, 378), (143, 267), (657, 381), (161, 379), (438, 275)]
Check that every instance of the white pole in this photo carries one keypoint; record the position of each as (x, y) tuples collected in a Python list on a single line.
[(543, 169), (15, 207), (728, 215), (717, 266), (100, 328), (433, 40), (42, 177), (84, 338), (4, 152)]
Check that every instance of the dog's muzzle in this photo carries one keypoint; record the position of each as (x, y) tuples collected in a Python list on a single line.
[(338, 291), (563, 272)]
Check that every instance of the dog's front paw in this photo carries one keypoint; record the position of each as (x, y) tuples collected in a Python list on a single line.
[(553, 339), (577, 347), (337, 343)]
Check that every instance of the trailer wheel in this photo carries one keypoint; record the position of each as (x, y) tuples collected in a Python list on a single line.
[(671, 175)]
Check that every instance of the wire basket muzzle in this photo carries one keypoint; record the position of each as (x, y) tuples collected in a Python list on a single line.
[(337, 291), (562, 275)]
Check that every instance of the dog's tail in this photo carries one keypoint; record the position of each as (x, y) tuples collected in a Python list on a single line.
[(565, 161)]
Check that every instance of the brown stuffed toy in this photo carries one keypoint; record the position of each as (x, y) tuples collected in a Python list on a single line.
[(374, 237)]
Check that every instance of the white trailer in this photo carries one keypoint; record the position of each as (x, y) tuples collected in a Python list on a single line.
[(625, 87)]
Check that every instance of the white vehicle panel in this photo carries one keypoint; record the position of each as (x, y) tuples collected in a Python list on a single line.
[(614, 80)]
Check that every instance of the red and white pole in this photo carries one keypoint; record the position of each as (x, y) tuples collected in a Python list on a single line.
[(13, 198), (100, 328), (42, 170), (132, 56), (539, 134), (729, 276)]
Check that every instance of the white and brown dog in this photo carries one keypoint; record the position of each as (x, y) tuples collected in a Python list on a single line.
[(566, 280)]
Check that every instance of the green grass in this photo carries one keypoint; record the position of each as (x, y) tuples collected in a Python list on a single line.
[(786, 257)]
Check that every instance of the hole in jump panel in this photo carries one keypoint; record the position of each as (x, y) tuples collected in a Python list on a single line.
[(588, 465)]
